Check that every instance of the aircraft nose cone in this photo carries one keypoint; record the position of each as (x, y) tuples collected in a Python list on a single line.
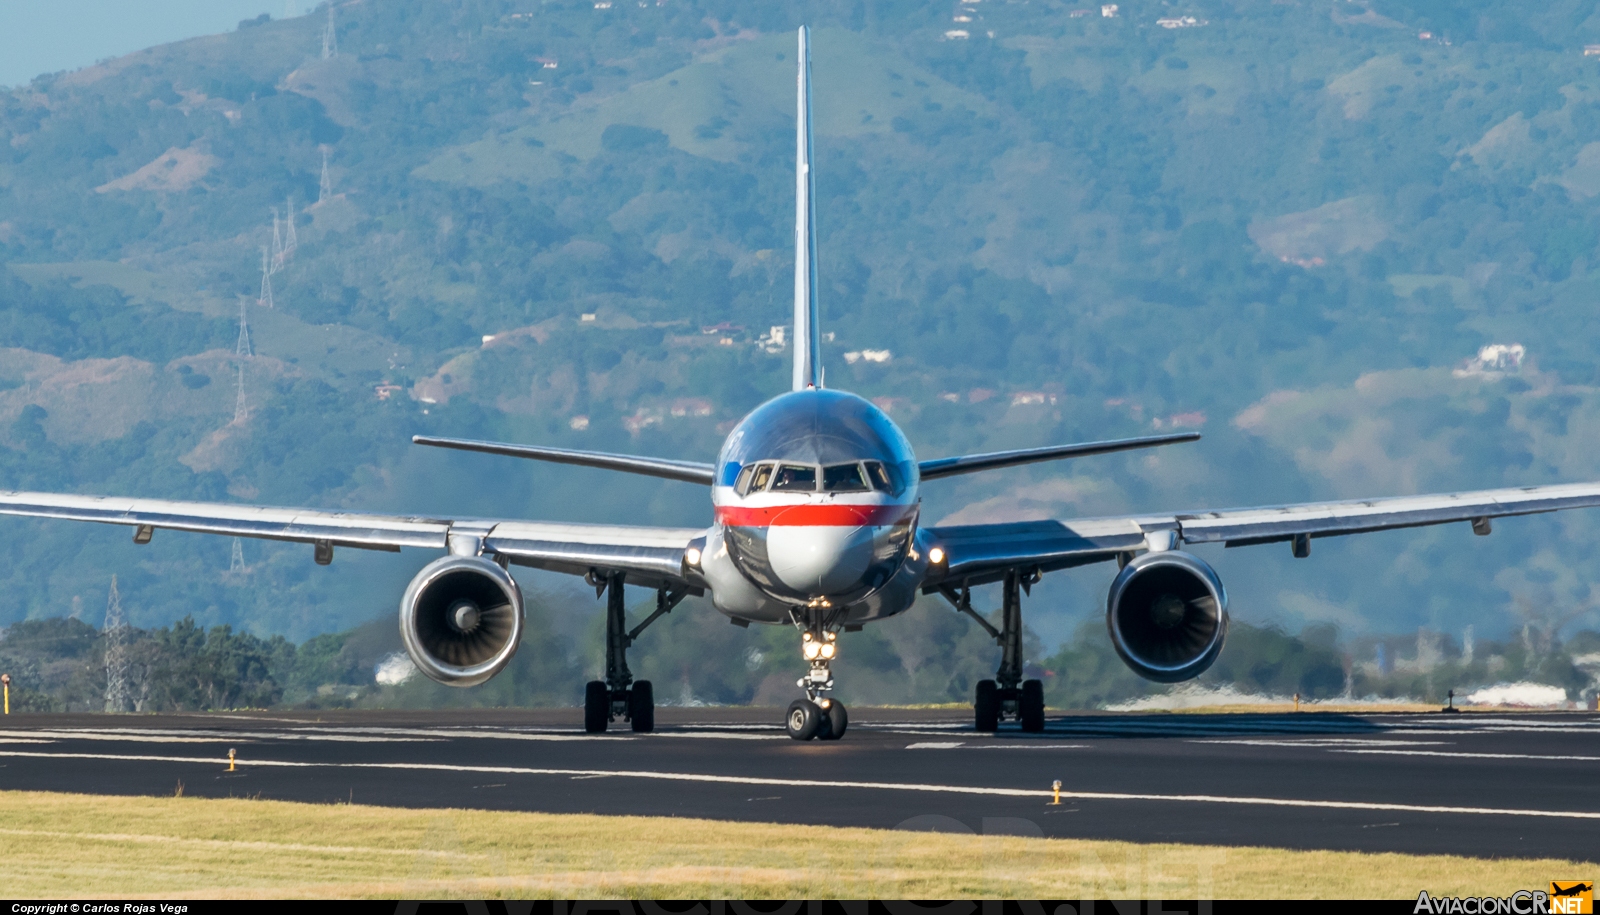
[(819, 560)]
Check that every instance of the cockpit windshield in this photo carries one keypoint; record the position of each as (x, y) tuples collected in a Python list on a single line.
[(857, 476), (843, 478), (795, 478)]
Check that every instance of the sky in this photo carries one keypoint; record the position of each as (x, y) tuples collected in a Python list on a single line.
[(45, 36)]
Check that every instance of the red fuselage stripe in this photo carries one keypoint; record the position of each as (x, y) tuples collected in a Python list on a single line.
[(810, 515)]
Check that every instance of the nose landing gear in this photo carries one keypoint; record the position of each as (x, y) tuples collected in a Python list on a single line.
[(817, 716)]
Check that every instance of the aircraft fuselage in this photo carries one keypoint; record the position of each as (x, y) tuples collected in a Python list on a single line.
[(816, 501)]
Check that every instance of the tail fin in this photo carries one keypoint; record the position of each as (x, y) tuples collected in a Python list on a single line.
[(807, 339)]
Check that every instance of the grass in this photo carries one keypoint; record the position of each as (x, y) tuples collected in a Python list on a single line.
[(178, 847)]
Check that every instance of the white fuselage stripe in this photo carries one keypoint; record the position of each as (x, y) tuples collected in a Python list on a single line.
[(818, 783)]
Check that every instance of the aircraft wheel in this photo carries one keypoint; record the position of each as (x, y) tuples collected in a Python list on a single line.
[(642, 706), (835, 719), (596, 707), (804, 719), (986, 706), (1032, 706)]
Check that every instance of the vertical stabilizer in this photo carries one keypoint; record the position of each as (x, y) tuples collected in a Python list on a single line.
[(807, 339)]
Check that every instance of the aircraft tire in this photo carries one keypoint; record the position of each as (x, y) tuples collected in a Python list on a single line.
[(986, 707), (596, 707), (1032, 706), (835, 719), (803, 719), (642, 706)]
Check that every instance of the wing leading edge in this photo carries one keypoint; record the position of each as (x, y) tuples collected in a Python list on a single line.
[(984, 552), (972, 463), (650, 555), (684, 471)]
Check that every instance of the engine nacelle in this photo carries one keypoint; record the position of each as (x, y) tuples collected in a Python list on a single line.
[(461, 619), (1168, 615)]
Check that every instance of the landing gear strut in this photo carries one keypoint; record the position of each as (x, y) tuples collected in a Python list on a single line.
[(1007, 697), (816, 715), (619, 695)]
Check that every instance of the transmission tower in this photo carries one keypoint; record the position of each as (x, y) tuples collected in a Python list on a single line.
[(116, 633), (241, 412), (290, 242), (236, 563), (243, 349), (330, 38), (277, 243), (265, 299), (325, 189)]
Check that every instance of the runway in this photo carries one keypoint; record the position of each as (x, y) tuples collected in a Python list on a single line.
[(1485, 784)]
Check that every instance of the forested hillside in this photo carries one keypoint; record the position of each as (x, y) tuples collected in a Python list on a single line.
[(1293, 226)]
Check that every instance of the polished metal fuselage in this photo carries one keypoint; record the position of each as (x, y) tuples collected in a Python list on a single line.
[(849, 555)]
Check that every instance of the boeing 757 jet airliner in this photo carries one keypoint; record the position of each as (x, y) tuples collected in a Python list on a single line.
[(816, 497)]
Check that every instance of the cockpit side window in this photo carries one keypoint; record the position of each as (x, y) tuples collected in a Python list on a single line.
[(881, 480), (742, 484), (759, 480), (795, 478), (843, 478)]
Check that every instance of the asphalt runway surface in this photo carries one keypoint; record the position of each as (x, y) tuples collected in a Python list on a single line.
[(1509, 784)]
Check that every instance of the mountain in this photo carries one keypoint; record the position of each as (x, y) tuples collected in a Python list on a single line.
[(1291, 228)]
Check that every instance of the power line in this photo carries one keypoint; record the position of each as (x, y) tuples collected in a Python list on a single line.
[(116, 633)]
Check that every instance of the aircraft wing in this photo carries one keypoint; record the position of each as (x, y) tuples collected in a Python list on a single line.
[(650, 555), (972, 463), (685, 471), (983, 553)]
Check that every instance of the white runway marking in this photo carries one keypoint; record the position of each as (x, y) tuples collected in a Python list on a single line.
[(716, 736), (1029, 746), (1325, 742), (1466, 755), (954, 745), (978, 790), (151, 735)]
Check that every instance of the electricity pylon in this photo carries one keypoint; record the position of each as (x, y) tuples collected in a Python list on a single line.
[(265, 299), (116, 633), (325, 188), (330, 38)]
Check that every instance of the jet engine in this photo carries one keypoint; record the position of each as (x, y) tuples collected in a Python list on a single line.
[(461, 619), (1168, 615)]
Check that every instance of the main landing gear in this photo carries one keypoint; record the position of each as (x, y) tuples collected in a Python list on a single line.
[(619, 695), (1007, 697), (817, 716)]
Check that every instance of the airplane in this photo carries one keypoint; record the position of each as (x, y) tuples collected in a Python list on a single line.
[(816, 497)]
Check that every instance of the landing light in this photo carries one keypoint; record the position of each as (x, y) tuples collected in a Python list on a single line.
[(829, 650), (692, 556), (810, 650), (936, 556)]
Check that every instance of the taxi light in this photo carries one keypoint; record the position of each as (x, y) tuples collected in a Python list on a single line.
[(809, 650), (692, 556), (936, 556), (829, 650)]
